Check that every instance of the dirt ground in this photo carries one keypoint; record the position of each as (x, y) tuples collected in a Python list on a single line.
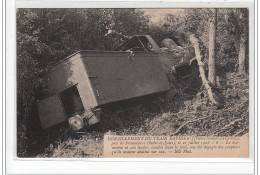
[(171, 115)]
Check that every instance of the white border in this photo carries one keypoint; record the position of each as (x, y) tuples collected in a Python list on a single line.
[(2, 77), (133, 4), (122, 165)]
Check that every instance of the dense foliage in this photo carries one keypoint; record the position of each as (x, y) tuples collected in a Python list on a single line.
[(232, 24), (45, 36)]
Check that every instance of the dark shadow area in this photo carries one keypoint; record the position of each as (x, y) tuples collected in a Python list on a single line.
[(71, 101), (32, 139)]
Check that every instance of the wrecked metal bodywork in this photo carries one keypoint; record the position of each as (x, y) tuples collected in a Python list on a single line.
[(81, 83)]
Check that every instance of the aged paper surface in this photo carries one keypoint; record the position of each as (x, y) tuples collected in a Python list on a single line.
[(45, 37), (137, 73), (175, 146)]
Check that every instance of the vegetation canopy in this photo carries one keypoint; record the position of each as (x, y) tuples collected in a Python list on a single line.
[(46, 36)]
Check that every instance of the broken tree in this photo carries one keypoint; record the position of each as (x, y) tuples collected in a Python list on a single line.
[(205, 82)]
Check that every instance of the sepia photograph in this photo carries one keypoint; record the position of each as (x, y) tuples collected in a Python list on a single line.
[(132, 82)]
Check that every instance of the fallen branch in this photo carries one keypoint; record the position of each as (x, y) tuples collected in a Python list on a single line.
[(226, 127), (188, 122), (240, 132), (205, 82), (236, 108), (233, 122), (192, 60)]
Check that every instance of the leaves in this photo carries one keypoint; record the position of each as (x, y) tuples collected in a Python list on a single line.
[(46, 36)]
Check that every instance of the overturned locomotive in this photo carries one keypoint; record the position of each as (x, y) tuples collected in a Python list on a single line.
[(81, 83)]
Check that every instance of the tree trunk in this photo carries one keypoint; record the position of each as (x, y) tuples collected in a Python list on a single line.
[(212, 41), (242, 56), (202, 72)]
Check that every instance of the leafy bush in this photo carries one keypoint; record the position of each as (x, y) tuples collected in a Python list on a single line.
[(45, 36)]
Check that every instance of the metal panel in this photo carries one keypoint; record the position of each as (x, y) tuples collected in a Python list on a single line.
[(67, 73), (114, 76), (51, 111)]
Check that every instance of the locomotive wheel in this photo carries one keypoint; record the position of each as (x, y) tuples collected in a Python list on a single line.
[(76, 122)]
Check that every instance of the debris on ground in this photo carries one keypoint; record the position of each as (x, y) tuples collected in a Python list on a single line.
[(169, 116)]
